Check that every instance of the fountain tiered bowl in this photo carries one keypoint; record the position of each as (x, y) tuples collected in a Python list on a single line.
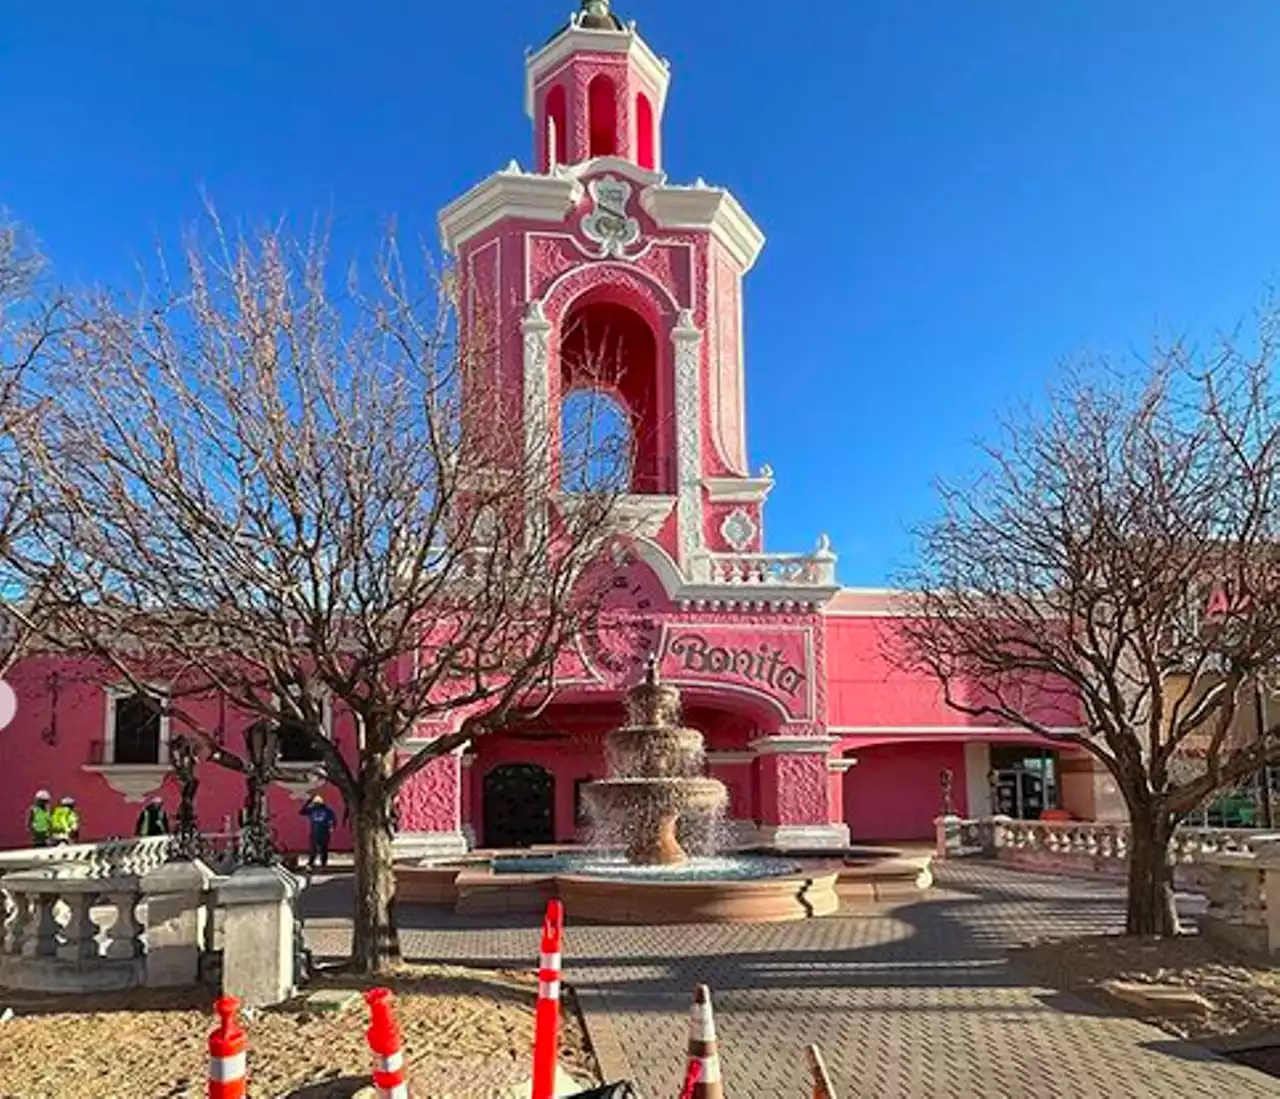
[(653, 858)]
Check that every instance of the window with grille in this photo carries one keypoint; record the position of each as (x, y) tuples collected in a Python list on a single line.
[(137, 726)]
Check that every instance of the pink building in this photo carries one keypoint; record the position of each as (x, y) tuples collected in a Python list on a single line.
[(819, 740)]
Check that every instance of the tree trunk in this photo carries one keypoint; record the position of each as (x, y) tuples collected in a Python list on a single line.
[(1152, 911), (375, 944)]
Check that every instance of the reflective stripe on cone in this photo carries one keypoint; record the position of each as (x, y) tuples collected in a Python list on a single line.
[(228, 1057), (385, 1043), (546, 1020), (704, 1051)]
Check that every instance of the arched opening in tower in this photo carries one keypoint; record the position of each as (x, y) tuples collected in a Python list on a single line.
[(555, 133), (609, 351), (646, 151), (602, 108)]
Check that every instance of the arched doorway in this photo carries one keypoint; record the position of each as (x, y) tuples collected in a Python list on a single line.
[(519, 806)]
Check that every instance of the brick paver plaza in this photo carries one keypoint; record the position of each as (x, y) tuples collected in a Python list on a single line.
[(913, 999)]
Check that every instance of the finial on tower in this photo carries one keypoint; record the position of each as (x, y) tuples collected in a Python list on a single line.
[(595, 15)]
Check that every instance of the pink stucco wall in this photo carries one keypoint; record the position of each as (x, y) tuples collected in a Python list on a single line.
[(794, 789), (62, 713), (431, 800), (866, 688), (895, 791)]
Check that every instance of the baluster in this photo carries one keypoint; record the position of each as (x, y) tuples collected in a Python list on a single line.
[(80, 937), (124, 939), (21, 925), (1107, 846), (41, 938)]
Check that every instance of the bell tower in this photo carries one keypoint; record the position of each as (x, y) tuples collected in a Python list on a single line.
[(596, 89), (594, 248)]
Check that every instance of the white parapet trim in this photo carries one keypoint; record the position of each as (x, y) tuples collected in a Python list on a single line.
[(429, 845), (802, 837)]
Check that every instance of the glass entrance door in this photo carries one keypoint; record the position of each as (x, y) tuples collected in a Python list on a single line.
[(1023, 782), (1019, 794)]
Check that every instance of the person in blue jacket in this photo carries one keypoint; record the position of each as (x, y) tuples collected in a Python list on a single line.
[(323, 822)]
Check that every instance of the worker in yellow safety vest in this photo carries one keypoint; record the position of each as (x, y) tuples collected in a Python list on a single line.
[(64, 824), (40, 819)]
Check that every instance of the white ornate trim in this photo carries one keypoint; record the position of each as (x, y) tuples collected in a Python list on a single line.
[(729, 758), (709, 210), (800, 837), (536, 330), (507, 194), (647, 64), (300, 779), (428, 845), (962, 732), (608, 225), (739, 530), (133, 781), (120, 692), (687, 340), (739, 490), (794, 745), (643, 515)]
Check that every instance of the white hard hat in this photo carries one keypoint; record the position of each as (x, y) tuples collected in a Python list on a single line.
[(42, 795), (68, 800)]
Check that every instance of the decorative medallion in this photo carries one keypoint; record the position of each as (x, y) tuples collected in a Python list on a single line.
[(738, 529), (608, 224), (626, 629)]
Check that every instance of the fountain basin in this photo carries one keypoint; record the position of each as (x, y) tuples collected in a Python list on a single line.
[(634, 798), (598, 886), (742, 900), (614, 866)]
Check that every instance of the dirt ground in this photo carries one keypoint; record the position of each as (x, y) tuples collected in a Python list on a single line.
[(1243, 991), (467, 1034)]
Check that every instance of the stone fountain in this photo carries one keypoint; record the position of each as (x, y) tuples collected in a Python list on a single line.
[(655, 791)]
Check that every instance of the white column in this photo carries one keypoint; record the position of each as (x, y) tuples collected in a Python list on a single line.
[(687, 341), (536, 330), (977, 778)]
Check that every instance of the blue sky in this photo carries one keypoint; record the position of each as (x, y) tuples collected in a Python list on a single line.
[(957, 195)]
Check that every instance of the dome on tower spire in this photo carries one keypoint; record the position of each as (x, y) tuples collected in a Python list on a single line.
[(595, 15)]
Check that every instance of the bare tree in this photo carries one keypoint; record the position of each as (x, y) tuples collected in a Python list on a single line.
[(1112, 572), (300, 498), (28, 318)]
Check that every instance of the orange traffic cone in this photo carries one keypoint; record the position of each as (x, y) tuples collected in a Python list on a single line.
[(228, 1062), (704, 1051), (389, 1078)]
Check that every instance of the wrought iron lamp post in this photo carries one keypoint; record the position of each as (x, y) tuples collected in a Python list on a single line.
[(262, 742), (188, 844), (946, 779)]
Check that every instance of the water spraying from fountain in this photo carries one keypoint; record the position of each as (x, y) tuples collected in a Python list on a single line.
[(656, 799)]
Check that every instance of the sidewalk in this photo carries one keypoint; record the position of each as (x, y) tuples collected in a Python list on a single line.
[(910, 1000)]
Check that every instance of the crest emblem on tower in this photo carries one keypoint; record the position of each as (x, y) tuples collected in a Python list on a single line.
[(608, 224)]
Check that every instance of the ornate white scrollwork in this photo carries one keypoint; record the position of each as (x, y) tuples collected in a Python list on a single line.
[(608, 224), (739, 529), (687, 340), (536, 330)]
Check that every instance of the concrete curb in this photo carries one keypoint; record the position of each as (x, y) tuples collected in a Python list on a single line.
[(610, 1058)]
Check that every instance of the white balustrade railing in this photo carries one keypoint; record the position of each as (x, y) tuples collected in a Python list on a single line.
[(1094, 840), (70, 929), (129, 856), (792, 570)]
